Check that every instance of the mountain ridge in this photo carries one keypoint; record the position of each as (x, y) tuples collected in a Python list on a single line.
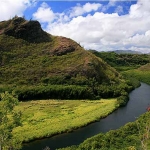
[(58, 60), (127, 52), (30, 31)]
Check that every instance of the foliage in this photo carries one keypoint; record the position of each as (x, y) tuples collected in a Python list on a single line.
[(9, 119), (125, 138), (54, 92), (142, 74), (91, 91), (44, 118), (123, 62)]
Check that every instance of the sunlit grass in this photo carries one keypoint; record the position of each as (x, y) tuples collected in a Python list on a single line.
[(44, 118), (141, 75)]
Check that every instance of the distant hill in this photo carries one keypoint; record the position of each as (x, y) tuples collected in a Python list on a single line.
[(123, 61), (145, 67), (127, 52), (30, 56)]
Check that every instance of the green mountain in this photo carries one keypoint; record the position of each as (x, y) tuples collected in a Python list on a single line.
[(29, 55), (122, 61), (38, 65), (127, 52)]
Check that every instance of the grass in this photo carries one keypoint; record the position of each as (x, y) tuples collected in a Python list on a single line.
[(142, 73), (45, 118)]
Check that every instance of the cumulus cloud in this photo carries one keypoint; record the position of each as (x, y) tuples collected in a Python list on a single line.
[(103, 31), (80, 10), (44, 14), (141, 9), (97, 30), (140, 39), (10, 8)]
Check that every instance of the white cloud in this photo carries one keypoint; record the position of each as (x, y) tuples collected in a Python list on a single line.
[(100, 31), (140, 39), (141, 9), (80, 10), (10, 8), (103, 31), (44, 14)]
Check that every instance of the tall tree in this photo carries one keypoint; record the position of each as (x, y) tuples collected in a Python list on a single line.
[(9, 119)]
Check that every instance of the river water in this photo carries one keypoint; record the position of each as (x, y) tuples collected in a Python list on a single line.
[(139, 100)]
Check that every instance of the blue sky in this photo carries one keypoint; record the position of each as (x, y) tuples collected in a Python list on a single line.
[(62, 6), (101, 25)]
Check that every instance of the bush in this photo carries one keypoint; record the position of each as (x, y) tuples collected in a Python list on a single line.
[(54, 92)]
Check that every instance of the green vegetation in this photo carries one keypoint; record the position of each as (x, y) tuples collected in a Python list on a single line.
[(57, 67), (123, 62), (36, 66), (44, 118), (91, 91), (9, 119), (57, 61), (132, 136), (142, 73)]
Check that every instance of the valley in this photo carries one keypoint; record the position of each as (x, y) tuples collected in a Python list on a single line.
[(62, 87)]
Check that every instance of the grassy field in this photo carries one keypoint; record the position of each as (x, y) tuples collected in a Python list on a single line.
[(142, 73), (44, 118)]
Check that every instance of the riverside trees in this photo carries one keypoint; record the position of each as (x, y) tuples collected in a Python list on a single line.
[(9, 119)]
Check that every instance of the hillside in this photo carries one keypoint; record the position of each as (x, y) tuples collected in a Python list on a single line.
[(28, 55), (127, 52), (122, 61), (145, 67), (37, 65), (142, 73)]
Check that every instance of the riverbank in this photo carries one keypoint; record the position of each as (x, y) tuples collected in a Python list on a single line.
[(45, 118), (138, 102), (132, 136)]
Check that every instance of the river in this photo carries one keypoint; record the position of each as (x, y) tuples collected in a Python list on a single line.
[(139, 100)]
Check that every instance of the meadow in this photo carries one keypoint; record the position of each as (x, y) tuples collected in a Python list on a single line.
[(45, 118), (142, 73)]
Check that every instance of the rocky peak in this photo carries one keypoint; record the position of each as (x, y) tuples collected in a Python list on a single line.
[(64, 45), (30, 31)]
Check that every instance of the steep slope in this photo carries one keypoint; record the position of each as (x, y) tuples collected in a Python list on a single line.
[(29, 55)]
